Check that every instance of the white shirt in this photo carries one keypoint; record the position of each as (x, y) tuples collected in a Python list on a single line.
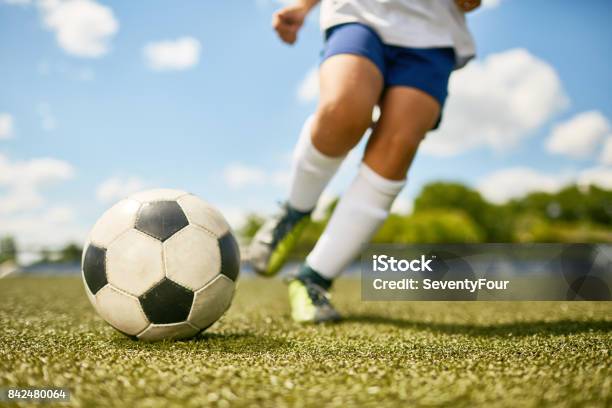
[(406, 23)]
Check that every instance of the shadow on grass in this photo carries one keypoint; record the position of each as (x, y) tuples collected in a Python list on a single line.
[(559, 327), (232, 343)]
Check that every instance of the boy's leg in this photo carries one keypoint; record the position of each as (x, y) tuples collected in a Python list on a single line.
[(407, 115), (350, 87)]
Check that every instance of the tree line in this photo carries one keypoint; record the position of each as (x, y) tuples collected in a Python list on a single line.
[(447, 213), (454, 213)]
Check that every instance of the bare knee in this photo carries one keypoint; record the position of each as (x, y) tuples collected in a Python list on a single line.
[(346, 116), (339, 125), (391, 154)]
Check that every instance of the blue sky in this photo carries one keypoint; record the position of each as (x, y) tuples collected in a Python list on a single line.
[(86, 116)]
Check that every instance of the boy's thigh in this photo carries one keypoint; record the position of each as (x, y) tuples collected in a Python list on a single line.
[(407, 111), (426, 70), (352, 67), (350, 80), (350, 87)]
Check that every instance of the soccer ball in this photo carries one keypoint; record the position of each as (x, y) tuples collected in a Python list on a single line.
[(161, 264)]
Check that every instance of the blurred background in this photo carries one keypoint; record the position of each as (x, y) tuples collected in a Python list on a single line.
[(99, 99)]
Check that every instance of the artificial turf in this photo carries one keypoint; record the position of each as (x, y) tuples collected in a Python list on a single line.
[(384, 354)]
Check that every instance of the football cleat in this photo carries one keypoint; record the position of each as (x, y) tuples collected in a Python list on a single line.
[(274, 241)]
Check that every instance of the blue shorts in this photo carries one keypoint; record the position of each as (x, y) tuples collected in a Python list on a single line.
[(427, 69)]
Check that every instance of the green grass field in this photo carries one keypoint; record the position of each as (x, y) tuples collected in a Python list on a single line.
[(384, 354)]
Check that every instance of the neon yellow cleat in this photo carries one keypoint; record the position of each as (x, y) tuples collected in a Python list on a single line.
[(274, 241), (310, 303)]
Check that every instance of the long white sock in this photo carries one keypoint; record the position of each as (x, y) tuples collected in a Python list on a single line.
[(359, 213), (312, 170)]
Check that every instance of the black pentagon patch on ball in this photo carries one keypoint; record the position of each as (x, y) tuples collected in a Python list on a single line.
[(167, 302), (161, 219), (94, 268), (230, 256)]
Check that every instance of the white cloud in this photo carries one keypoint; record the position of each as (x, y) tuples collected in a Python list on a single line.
[(579, 136), (116, 188), (515, 182), (606, 153), (502, 185), (37, 172), (490, 3), (376, 113), (6, 126), (235, 216), (22, 181), (266, 3), (308, 89), (599, 176), (50, 227), (82, 27), (239, 175), (280, 178), (20, 198), (496, 103), (179, 54), (24, 210)]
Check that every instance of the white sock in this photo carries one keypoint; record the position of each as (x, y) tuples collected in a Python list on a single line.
[(312, 170), (359, 213)]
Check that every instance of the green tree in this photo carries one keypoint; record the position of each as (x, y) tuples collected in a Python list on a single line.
[(495, 221), (309, 238), (574, 204), (8, 249), (251, 225), (46, 256), (439, 227), (392, 230), (599, 204), (70, 253), (454, 213)]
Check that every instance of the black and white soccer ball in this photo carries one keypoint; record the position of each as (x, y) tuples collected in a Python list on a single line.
[(161, 264)]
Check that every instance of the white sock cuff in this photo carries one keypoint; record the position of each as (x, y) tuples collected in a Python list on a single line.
[(311, 171), (315, 158), (381, 184), (306, 150)]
